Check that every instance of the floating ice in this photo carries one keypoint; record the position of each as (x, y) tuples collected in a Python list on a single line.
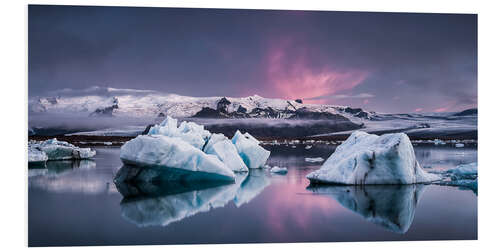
[(312, 160), (278, 170), (222, 147), (36, 156), (464, 171), (370, 159), (463, 176), (170, 158), (189, 152), (459, 145), (439, 142), (253, 155), (189, 132), (308, 147), (57, 150)]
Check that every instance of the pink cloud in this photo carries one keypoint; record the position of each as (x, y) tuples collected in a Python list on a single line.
[(443, 109), (293, 76), (419, 109), (366, 101)]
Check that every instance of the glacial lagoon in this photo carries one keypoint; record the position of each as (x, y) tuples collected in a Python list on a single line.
[(74, 203)]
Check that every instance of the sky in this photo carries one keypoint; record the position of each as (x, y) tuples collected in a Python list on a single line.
[(385, 62)]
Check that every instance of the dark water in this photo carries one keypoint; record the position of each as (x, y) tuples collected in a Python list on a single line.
[(76, 203)]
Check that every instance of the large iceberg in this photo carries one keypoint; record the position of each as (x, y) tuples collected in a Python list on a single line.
[(171, 159), (53, 149), (390, 206), (188, 152), (371, 159), (250, 151)]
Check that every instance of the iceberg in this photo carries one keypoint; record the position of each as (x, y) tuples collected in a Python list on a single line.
[(188, 152), (371, 159), (278, 170), (36, 156), (222, 147), (53, 149), (253, 155), (390, 206), (169, 159)]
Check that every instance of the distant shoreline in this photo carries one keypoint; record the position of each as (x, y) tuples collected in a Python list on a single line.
[(95, 140)]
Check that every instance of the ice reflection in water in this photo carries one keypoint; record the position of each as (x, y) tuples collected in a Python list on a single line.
[(148, 204), (73, 176), (390, 206)]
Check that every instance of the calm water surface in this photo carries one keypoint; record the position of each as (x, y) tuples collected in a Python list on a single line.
[(77, 203)]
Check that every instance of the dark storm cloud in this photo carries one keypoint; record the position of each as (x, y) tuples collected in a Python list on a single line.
[(404, 61)]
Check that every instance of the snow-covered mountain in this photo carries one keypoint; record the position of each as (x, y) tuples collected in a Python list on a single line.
[(154, 104)]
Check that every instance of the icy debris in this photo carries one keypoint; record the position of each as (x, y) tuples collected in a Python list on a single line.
[(57, 150), (171, 158), (253, 155), (308, 147), (459, 145), (439, 142), (464, 171), (313, 160), (464, 176), (278, 170), (370, 159)]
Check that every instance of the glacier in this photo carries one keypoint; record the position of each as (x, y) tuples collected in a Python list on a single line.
[(371, 159), (188, 152)]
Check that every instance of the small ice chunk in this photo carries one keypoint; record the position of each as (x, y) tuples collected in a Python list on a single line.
[(371, 159), (253, 155), (182, 160), (313, 160), (459, 145), (278, 170), (464, 170), (439, 142), (308, 147)]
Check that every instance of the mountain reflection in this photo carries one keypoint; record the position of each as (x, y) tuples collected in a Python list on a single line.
[(390, 206), (159, 204)]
